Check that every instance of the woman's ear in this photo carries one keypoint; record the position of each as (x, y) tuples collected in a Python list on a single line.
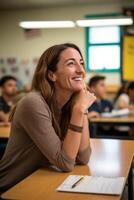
[(51, 76)]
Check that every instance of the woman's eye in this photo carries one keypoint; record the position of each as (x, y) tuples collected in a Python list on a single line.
[(71, 63), (82, 63)]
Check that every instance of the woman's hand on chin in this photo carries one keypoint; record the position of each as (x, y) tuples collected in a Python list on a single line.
[(84, 99)]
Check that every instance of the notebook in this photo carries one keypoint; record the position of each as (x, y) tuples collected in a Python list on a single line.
[(93, 184)]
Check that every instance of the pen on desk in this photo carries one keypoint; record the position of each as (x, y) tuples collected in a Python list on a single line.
[(77, 182)]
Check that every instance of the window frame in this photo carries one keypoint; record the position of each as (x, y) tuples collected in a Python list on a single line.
[(87, 33)]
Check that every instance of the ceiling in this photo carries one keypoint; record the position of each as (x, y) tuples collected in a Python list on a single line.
[(21, 4)]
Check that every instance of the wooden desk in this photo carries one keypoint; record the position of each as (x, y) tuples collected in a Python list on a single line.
[(129, 120), (4, 131), (114, 121), (108, 158)]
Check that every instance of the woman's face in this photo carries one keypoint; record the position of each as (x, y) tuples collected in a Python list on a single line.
[(70, 71)]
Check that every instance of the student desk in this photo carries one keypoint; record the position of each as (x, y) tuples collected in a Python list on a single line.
[(109, 158), (115, 121), (127, 120), (4, 131)]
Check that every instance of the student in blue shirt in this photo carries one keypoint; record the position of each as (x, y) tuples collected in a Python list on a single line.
[(97, 85), (8, 86)]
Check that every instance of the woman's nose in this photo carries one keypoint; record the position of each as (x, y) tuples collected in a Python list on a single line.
[(79, 68)]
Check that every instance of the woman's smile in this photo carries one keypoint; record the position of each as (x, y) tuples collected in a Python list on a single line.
[(78, 79)]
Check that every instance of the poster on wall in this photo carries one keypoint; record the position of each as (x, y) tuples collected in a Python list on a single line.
[(22, 69), (128, 58), (3, 69)]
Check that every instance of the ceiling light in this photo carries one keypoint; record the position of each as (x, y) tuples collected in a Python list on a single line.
[(46, 24), (105, 22)]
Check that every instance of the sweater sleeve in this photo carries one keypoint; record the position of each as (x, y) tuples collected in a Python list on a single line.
[(35, 119), (83, 156)]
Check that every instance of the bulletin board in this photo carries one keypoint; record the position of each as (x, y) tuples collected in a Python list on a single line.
[(128, 58), (20, 68)]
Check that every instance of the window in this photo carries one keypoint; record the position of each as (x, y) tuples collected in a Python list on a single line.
[(104, 48)]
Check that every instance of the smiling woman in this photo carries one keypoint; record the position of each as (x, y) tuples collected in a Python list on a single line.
[(50, 125)]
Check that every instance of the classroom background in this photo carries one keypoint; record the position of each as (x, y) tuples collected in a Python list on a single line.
[(21, 48), (108, 52)]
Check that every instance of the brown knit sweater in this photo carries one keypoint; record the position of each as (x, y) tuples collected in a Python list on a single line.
[(33, 143)]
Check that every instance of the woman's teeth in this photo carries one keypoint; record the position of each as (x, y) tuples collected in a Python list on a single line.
[(78, 79)]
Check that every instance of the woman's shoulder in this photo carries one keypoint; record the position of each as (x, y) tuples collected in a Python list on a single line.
[(32, 96), (33, 100)]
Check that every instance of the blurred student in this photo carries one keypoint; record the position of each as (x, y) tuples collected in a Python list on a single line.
[(125, 97), (8, 86), (21, 93), (121, 91), (97, 85)]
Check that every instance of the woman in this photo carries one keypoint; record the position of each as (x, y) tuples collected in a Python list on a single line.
[(49, 124)]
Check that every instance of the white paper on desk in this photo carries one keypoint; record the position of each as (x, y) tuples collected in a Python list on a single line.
[(93, 184), (116, 113)]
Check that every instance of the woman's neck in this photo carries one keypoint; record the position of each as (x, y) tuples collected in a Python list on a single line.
[(62, 96)]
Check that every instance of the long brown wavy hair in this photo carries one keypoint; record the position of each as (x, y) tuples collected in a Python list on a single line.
[(41, 83)]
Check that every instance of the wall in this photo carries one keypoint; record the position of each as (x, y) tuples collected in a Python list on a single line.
[(13, 43)]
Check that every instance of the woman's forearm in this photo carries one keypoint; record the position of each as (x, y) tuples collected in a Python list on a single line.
[(72, 140), (85, 134), (76, 141), (84, 149)]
